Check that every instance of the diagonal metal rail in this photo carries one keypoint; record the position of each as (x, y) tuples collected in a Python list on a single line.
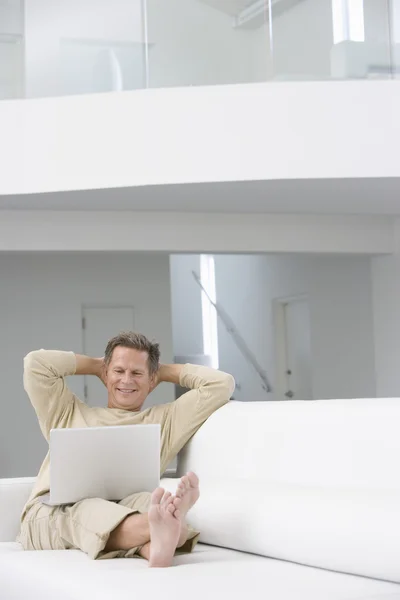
[(237, 338)]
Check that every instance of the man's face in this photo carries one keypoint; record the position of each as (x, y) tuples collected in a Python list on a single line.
[(127, 379)]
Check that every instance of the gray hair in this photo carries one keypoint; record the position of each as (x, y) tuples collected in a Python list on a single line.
[(137, 341)]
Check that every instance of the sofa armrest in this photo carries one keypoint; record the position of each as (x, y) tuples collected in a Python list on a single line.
[(14, 493)]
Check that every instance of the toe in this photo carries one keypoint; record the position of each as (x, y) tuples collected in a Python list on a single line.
[(193, 479), (157, 496), (171, 508), (166, 497), (177, 502)]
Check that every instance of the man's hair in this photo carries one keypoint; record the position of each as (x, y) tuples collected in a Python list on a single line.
[(137, 341)]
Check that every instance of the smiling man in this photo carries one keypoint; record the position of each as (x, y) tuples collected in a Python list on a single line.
[(152, 526)]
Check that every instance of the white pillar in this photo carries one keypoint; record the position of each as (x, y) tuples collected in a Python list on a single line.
[(386, 306)]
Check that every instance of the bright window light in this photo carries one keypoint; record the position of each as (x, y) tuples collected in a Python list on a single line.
[(348, 21), (210, 326)]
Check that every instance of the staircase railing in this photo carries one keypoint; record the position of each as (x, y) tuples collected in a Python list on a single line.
[(237, 338)]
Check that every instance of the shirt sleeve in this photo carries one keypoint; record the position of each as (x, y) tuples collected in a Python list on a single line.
[(44, 382), (209, 390)]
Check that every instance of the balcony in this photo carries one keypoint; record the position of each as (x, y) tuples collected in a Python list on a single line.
[(69, 47), (287, 98)]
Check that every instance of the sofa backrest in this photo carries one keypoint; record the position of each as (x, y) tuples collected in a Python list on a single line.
[(330, 443), (312, 482)]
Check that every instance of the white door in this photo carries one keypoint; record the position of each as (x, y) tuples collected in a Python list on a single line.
[(100, 324), (294, 359)]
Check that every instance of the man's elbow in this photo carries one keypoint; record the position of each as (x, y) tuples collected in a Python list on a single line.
[(31, 357), (29, 360), (33, 362)]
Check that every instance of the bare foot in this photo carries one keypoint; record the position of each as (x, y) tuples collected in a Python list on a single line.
[(186, 496), (165, 529)]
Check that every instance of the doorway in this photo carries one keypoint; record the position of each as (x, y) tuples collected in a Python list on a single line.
[(100, 324), (293, 348)]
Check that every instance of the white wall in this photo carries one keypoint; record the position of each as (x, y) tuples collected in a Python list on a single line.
[(376, 22), (193, 44), (11, 49), (40, 307), (185, 302), (395, 18), (340, 295), (386, 294), (179, 53), (262, 60), (302, 38), (50, 22), (202, 134), (11, 17)]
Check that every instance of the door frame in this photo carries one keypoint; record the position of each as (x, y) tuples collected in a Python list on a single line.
[(281, 344), (85, 306)]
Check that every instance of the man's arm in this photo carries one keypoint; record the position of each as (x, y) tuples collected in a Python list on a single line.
[(44, 382), (169, 374), (209, 390), (85, 365)]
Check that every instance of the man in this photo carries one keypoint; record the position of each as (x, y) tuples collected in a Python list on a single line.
[(149, 525)]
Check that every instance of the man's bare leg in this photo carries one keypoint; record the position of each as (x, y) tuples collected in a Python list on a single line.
[(135, 529), (164, 516), (145, 550)]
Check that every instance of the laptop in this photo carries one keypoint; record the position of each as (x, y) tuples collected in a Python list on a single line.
[(103, 462)]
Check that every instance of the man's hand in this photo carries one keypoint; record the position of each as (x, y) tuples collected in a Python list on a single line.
[(85, 365), (167, 373), (102, 371)]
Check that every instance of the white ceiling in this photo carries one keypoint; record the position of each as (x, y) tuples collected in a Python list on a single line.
[(345, 196)]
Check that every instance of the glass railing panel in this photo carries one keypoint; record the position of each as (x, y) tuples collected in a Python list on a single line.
[(71, 47), (330, 39), (11, 50), (203, 42), (395, 37)]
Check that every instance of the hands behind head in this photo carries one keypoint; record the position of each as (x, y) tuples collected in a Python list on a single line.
[(155, 380), (101, 374)]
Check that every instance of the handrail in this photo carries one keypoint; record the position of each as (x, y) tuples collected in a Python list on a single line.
[(237, 338)]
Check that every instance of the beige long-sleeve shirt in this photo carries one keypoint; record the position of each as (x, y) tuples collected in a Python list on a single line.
[(58, 407)]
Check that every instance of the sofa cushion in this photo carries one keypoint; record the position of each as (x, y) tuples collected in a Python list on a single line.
[(343, 529), (13, 495), (209, 573)]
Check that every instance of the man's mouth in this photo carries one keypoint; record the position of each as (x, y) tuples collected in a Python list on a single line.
[(125, 391)]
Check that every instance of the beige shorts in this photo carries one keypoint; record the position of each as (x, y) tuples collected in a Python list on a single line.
[(86, 526)]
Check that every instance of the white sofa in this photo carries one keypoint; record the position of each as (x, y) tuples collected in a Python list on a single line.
[(300, 500)]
